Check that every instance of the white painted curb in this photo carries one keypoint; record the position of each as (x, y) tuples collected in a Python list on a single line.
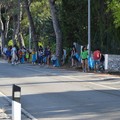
[(23, 111)]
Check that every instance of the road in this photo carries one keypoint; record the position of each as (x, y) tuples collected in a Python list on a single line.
[(59, 94)]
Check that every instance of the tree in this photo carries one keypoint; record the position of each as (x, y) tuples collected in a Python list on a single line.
[(17, 35), (103, 32), (4, 21), (61, 22), (74, 22), (9, 13), (43, 23), (33, 32), (114, 6), (2, 27), (57, 29)]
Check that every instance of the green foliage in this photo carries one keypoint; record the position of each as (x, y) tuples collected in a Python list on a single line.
[(74, 21), (72, 14), (10, 43), (26, 40), (40, 44), (114, 6), (42, 20), (53, 48)]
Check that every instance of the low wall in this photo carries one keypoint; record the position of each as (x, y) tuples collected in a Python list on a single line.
[(112, 63)]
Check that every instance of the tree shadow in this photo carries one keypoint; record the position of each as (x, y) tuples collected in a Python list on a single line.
[(68, 105), (90, 104)]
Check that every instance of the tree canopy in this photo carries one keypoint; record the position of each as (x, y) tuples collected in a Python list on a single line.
[(21, 18)]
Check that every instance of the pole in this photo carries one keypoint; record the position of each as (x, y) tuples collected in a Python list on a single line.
[(16, 105), (89, 32)]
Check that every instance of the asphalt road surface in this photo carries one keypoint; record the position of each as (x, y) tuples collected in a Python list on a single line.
[(59, 94)]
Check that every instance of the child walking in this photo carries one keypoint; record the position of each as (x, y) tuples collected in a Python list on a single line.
[(34, 56)]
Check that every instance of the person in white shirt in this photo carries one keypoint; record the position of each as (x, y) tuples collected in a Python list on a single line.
[(53, 59), (14, 56), (64, 56), (4, 52)]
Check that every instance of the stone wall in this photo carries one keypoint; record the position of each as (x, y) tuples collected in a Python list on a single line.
[(113, 63)]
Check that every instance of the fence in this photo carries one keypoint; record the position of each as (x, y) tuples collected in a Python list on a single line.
[(112, 63)]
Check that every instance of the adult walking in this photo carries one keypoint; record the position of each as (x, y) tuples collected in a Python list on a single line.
[(84, 56), (14, 56), (73, 56), (4, 52), (96, 58)]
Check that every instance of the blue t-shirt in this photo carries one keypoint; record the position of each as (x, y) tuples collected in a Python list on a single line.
[(8, 53)]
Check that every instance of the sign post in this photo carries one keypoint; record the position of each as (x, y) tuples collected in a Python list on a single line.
[(16, 105)]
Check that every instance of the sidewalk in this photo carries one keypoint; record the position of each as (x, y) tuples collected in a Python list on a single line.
[(6, 106), (6, 109), (67, 67)]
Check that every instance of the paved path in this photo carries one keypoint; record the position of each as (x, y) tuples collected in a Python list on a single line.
[(5, 108), (58, 94)]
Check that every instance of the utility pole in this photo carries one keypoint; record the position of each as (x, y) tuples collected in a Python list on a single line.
[(89, 30)]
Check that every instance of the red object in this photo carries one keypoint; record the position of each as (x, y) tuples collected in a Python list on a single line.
[(96, 55)]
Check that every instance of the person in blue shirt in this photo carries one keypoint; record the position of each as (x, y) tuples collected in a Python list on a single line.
[(8, 54), (48, 55)]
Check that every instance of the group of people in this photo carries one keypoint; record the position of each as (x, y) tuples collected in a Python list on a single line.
[(16, 55), (42, 56), (97, 59)]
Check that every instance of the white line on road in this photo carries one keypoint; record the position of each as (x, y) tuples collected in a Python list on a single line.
[(86, 75), (93, 82), (23, 111)]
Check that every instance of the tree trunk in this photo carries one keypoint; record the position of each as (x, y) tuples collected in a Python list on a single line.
[(57, 30), (19, 35), (6, 27), (33, 33), (21, 40), (18, 30), (14, 29), (2, 29), (18, 22), (17, 25)]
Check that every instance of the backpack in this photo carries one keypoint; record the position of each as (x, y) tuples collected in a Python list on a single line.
[(102, 59), (96, 55)]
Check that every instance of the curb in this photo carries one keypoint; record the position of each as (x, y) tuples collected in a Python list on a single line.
[(22, 110)]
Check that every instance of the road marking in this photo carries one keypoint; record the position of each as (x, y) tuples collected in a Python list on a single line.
[(23, 111), (86, 75), (104, 86), (93, 82)]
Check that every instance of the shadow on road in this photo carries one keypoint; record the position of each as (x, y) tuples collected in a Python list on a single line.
[(70, 104)]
